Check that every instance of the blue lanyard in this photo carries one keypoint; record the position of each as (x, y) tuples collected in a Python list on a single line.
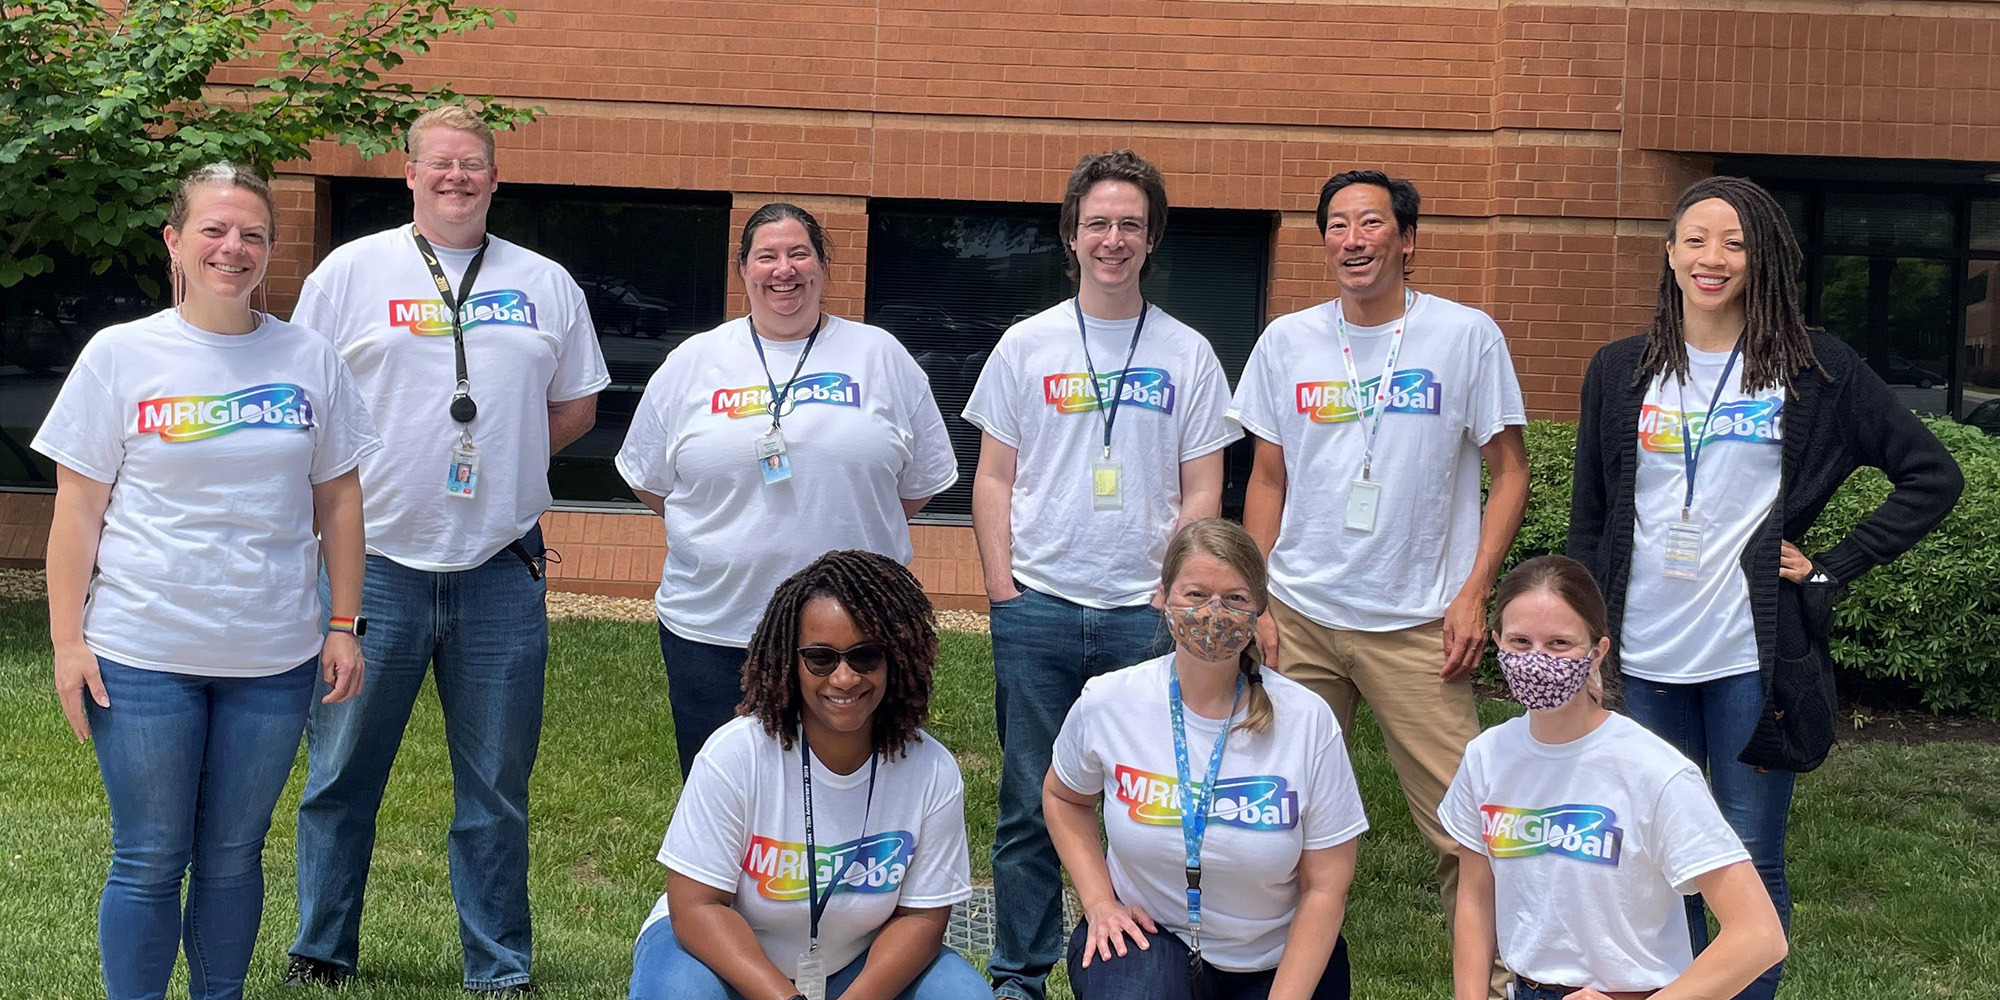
[(815, 901), (1691, 450), (778, 396), (1110, 410), (1195, 799)]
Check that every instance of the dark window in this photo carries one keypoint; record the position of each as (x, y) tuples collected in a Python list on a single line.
[(1899, 260), (653, 266), (44, 322), (948, 278)]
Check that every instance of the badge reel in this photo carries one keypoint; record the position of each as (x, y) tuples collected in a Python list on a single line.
[(1105, 486), (461, 476), (811, 980), (1363, 497), (1683, 550), (772, 460)]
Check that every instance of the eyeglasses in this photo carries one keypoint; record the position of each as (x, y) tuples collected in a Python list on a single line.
[(471, 165), (862, 658), (1128, 227)]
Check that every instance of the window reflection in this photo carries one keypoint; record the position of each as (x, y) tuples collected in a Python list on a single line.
[(653, 269), (948, 278)]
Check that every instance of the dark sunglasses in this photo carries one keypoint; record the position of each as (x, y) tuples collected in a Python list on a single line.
[(862, 658)]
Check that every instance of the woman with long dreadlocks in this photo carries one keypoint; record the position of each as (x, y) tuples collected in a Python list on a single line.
[(820, 841), (1706, 447)]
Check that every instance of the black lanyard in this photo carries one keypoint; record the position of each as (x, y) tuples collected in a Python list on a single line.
[(1691, 450), (462, 407), (815, 902), (1110, 410), (778, 396)]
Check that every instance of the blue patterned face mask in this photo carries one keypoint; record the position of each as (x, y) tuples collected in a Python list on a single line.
[(1542, 681)]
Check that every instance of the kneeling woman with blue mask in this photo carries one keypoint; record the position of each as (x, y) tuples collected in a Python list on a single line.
[(1230, 809)]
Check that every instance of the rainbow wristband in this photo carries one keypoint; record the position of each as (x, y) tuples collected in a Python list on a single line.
[(339, 624)]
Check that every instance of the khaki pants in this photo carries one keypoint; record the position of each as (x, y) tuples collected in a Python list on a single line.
[(1426, 722)]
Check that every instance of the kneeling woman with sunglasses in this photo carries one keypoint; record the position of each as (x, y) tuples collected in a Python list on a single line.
[(1234, 816), (826, 762)]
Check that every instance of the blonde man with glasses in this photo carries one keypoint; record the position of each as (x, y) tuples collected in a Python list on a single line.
[(480, 359), (1103, 429)]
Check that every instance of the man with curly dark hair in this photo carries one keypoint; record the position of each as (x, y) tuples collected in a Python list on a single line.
[(820, 842)]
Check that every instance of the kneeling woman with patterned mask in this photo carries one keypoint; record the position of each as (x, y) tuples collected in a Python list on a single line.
[(1230, 809), (1579, 830)]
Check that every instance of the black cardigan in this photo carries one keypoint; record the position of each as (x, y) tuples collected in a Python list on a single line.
[(1832, 425)]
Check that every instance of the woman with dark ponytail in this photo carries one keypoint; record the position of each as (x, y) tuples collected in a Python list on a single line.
[(1233, 832), (1706, 447)]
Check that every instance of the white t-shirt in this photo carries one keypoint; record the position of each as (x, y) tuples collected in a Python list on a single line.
[(1034, 395), (528, 343), (740, 827), (207, 563), (1592, 842), (1689, 631), (1454, 389), (1280, 792), (863, 433)]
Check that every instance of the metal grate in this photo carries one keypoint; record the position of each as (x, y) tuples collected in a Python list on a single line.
[(970, 932)]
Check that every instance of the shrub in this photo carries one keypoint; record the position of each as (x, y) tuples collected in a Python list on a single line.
[(1929, 620)]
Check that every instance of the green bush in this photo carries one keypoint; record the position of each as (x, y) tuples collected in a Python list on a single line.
[(1929, 620)]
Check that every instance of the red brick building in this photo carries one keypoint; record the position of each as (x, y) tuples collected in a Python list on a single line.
[(1548, 138)]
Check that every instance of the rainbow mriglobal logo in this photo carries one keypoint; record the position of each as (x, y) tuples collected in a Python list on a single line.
[(276, 406), (1757, 421), (831, 388), (1253, 802), (1586, 833), (432, 318), (872, 864), (1413, 390), (1146, 388)]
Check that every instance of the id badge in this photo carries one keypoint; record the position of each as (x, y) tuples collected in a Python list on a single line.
[(461, 477), (811, 980), (1363, 497), (772, 460), (1105, 488), (1683, 550)]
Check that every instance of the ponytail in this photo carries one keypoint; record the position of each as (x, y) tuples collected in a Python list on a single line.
[(1257, 701)]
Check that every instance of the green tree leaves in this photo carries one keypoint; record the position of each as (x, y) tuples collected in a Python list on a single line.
[(103, 111)]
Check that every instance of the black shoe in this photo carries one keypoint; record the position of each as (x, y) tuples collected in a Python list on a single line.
[(312, 972), (516, 990)]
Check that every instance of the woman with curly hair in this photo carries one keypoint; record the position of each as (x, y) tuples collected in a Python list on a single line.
[(820, 841), (1707, 447)]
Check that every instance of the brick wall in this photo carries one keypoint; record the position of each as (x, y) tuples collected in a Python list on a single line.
[(1549, 138)]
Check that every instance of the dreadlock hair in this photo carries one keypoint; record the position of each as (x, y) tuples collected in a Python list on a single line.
[(1572, 583), (1227, 541), (1777, 343), (886, 604)]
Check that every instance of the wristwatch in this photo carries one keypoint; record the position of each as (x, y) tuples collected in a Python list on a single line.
[(357, 625)]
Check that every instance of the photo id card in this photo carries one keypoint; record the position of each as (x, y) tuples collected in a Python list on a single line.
[(772, 460), (461, 477), (1363, 497), (1683, 550), (811, 980), (1105, 488)]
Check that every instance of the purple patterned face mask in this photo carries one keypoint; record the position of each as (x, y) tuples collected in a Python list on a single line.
[(1543, 681), (1214, 631)]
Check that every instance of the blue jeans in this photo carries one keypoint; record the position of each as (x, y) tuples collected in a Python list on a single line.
[(1044, 648), (192, 767), (1161, 972), (704, 686), (486, 631), (663, 970), (1711, 722)]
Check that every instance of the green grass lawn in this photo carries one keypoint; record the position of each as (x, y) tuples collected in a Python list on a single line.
[(1895, 850)]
